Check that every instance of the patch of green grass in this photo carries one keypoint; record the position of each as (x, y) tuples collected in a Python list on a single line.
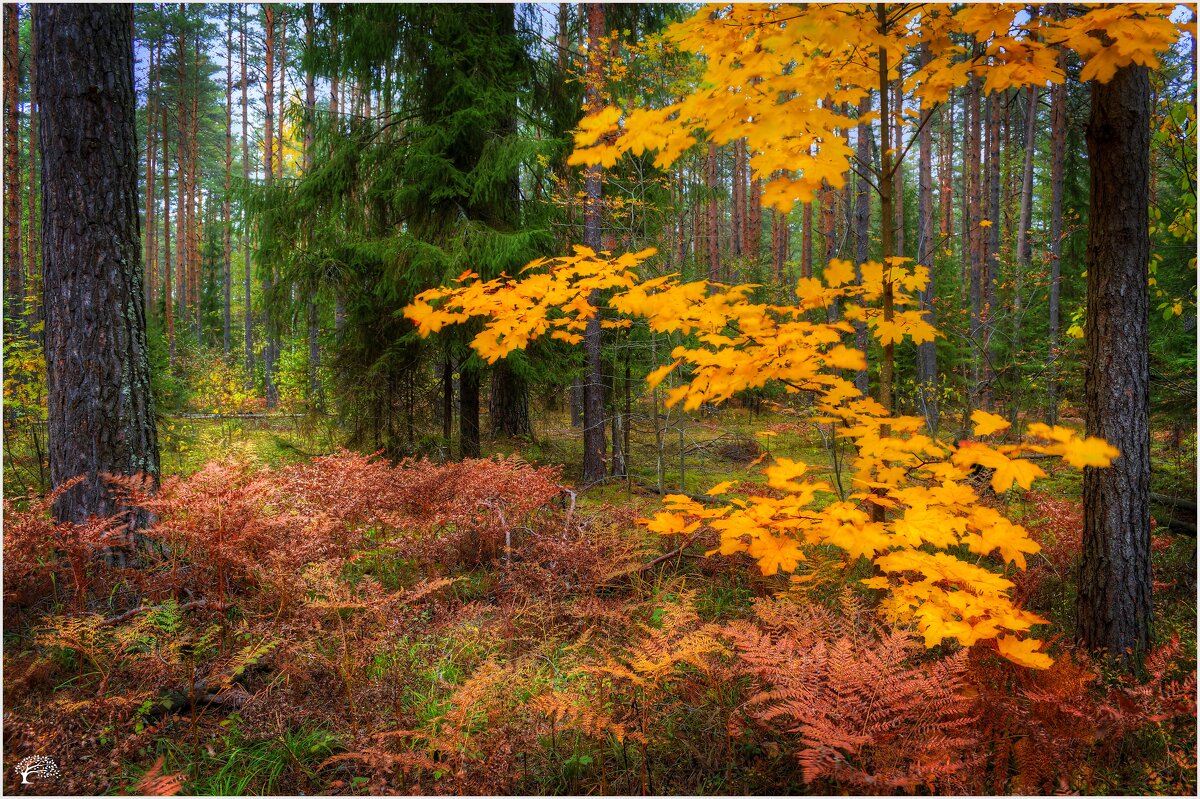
[(276, 765)]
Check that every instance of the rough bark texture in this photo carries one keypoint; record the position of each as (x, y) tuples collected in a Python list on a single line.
[(468, 411), (268, 354), (712, 215), (1114, 610), (14, 273), (508, 405), (594, 443), (100, 408)]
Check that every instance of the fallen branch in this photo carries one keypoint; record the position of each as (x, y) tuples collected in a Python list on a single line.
[(129, 614)]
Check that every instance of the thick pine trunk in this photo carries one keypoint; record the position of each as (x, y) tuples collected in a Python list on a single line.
[(712, 215), (100, 408), (1115, 610), (991, 263)]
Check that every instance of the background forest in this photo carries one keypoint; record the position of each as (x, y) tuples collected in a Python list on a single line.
[(383, 557)]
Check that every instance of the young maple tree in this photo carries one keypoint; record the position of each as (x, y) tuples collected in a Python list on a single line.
[(767, 72)]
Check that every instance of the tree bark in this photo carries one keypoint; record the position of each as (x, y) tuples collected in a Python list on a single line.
[(33, 309), (862, 226), (14, 278), (712, 215), (248, 309), (269, 163), (468, 411), (1058, 152), (168, 297), (101, 413), (1115, 610), (508, 405), (927, 256), (151, 227), (227, 273), (594, 443), (310, 109)]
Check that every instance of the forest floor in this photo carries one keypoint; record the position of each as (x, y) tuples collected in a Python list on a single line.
[(306, 620)]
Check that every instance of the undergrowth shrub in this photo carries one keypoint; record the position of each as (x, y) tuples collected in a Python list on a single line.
[(860, 707)]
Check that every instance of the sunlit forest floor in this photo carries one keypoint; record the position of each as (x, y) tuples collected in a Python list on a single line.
[(307, 620)]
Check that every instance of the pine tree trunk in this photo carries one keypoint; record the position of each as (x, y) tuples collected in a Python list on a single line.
[(594, 443), (33, 309), (248, 310), (1115, 610), (754, 221), (151, 178), (974, 233), (100, 408), (227, 273), (737, 208), (508, 405), (712, 230), (181, 194), (468, 411), (992, 251), (14, 270), (887, 182), (898, 179), (806, 237), (926, 256), (1024, 250), (1058, 151), (946, 176), (862, 226), (310, 110), (168, 295), (269, 164)]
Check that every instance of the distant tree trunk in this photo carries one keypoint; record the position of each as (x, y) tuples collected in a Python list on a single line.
[(282, 83), (992, 250), (181, 194), (151, 256), (14, 278), (712, 230), (754, 221), (269, 164), (926, 256), (737, 209), (194, 196), (862, 225), (898, 179), (310, 110), (806, 239), (508, 405), (100, 408), (468, 411), (887, 218), (1115, 610), (946, 175), (974, 233), (594, 443), (1024, 250), (248, 310), (227, 274), (1058, 151), (168, 296), (33, 309)]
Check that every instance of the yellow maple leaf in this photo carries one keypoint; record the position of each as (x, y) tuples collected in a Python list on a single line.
[(1024, 652), (987, 423)]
